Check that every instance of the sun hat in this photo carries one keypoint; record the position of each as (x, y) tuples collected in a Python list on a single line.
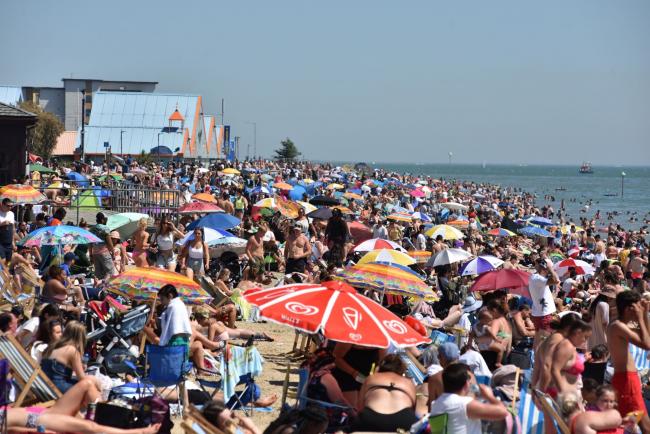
[(471, 304)]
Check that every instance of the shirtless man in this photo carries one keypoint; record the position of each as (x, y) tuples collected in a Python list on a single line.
[(626, 381), (225, 204), (255, 249), (636, 266), (296, 251), (440, 245)]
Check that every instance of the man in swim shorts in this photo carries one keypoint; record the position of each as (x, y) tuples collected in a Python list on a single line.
[(626, 381)]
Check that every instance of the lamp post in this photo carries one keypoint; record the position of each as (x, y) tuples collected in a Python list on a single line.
[(622, 182), (121, 145), (158, 147), (451, 154), (254, 124)]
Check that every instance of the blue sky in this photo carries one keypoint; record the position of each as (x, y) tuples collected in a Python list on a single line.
[(497, 81)]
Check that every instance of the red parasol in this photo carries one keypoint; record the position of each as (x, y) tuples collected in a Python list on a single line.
[(359, 231), (337, 311), (199, 207), (514, 280)]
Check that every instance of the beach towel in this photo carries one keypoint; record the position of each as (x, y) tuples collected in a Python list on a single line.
[(241, 361)]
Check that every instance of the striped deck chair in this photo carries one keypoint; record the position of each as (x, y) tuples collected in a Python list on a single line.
[(195, 423), (414, 370), (640, 356), (549, 409), (27, 374), (532, 420)]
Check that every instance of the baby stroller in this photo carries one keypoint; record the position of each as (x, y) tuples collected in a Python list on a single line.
[(112, 324)]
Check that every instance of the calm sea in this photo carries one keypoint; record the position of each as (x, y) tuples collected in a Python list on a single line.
[(603, 187)]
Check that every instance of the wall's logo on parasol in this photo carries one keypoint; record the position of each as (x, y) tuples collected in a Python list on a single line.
[(355, 336), (301, 309), (352, 317), (395, 326), (275, 294)]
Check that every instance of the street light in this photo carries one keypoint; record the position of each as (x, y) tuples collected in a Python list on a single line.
[(121, 147), (158, 147), (622, 182), (254, 124), (450, 155)]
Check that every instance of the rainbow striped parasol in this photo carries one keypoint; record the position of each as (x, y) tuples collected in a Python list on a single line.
[(143, 284), (21, 194), (420, 256), (391, 278)]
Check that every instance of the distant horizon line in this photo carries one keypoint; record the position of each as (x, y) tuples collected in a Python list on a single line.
[(377, 163)]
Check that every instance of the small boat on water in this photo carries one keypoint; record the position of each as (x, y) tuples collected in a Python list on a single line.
[(560, 189), (586, 168)]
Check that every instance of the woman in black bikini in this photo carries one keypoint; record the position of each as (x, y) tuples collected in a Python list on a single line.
[(353, 364), (387, 399)]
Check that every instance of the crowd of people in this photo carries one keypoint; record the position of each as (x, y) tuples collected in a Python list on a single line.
[(567, 332)]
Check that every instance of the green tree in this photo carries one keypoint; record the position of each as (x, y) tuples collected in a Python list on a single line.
[(144, 158), (46, 132), (287, 150)]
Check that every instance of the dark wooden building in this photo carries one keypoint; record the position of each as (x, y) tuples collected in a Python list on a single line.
[(14, 124)]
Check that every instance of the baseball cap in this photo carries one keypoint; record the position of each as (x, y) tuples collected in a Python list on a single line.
[(69, 257), (449, 351)]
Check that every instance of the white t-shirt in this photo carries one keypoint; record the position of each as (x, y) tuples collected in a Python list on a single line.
[(455, 406), (31, 325), (421, 242), (543, 303), (7, 217), (568, 284), (476, 363)]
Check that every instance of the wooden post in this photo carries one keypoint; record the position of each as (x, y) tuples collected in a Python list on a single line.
[(143, 340), (285, 387), (514, 395)]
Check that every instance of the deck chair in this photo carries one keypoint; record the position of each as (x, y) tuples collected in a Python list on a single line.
[(29, 376), (549, 409), (414, 369), (532, 420), (195, 423), (438, 423), (167, 366)]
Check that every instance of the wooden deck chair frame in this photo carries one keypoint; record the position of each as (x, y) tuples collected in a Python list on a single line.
[(28, 375), (194, 416), (8, 284), (550, 412)]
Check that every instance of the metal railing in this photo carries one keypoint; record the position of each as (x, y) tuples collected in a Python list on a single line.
[(84, 202)]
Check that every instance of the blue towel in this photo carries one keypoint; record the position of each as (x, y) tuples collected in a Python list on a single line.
[(242, 361)]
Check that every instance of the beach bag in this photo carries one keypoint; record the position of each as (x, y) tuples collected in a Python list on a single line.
[(150, 410), (113, 415)]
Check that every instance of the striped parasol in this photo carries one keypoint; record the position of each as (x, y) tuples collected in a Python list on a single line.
[(21, 194), (400, 217), (143, 284), (387, 255), (375, 244), (501, 232), (420, 256), (391, 278)]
